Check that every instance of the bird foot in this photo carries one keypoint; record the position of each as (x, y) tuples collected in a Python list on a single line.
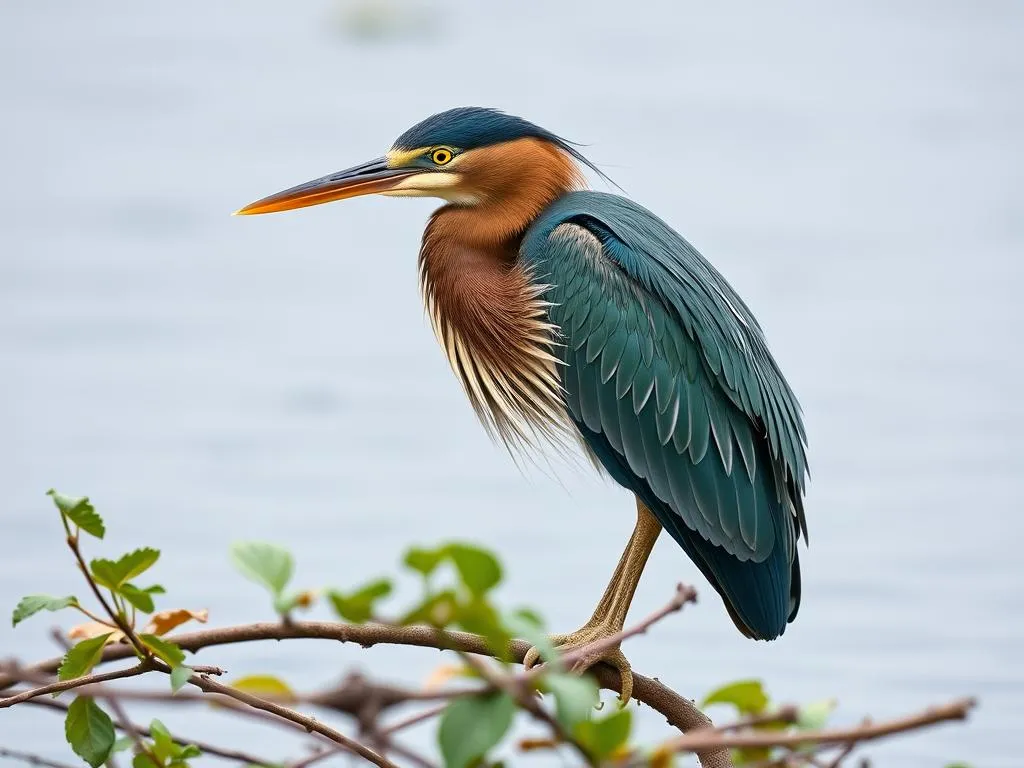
[(576, 644)]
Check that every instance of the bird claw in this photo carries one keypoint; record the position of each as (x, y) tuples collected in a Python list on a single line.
[(580, 639)]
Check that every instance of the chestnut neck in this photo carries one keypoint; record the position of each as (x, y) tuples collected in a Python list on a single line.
[(512, 184)]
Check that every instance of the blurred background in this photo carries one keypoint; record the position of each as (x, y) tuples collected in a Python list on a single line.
[(855, 169)]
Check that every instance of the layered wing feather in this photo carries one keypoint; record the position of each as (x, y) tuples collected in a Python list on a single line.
[(670, 383)]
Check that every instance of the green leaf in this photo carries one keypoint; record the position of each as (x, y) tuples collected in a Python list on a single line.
[(358, 606), (266, 564), (479, 617), (125, 742), (575, 697), (747, 696), (478, 568), (179, 676), (113, 573), (82, 657), (164, 650), (89, 731), (142, 760), (156, 589), (815, 714), (35, 603), (423, 561), (528, 615), (438, 610), (79, 511), (473, 725), (140, 598), (163, 745), (602, 737), (166, 749)]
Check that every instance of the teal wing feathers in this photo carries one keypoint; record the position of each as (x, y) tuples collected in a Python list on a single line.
[(670, 383)]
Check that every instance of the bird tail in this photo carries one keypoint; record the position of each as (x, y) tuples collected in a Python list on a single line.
[(761, 598)]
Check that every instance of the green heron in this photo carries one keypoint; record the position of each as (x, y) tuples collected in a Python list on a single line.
[(569, 314)]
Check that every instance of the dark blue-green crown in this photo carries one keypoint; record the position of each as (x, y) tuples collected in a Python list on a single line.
[(470, 128), (474, 127)]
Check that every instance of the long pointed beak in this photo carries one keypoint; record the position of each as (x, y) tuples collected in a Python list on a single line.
[(365, 179)]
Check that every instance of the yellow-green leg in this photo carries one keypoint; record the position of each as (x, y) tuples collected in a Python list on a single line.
[(610, 615)]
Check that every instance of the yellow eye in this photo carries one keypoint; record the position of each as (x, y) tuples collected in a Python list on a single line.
[(441, 156)]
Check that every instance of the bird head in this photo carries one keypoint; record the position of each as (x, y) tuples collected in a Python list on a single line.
[(464, 156)]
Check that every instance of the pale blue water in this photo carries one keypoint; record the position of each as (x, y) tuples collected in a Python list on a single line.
[(855, 170)]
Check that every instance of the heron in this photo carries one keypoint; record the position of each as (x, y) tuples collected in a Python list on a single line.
[(576, 316)]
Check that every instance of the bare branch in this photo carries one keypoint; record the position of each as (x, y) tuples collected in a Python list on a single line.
[(684, 594), (78, 682), (694, 742), (306, 723), (206, 747), (27, 757), (412, 720)]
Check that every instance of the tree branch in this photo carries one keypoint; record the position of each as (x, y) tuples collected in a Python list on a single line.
[(678, 711), (712, 739), (78, 682), (31, 759), (306, 723), (207, 748)]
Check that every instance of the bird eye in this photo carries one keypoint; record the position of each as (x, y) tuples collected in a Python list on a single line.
[(441, 156)]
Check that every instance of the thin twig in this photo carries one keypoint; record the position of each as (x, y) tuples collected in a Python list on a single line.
[(65, 685), (27, 757), (684, 594), (412, 720), (125, 724), (320, 754), (955, 710), (142, 650), (411, 756), (306, 723), (785, 715), (207, 748), (845, 753)]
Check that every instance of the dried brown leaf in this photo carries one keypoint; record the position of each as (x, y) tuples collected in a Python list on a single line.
[(162, 622)]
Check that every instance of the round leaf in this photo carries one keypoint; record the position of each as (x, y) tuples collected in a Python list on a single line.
[(266, 564), (575, 697), (478, 568), (603, 737), (473, 725), (89, 731), (423, 561), (815, 714), (747, 696)]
